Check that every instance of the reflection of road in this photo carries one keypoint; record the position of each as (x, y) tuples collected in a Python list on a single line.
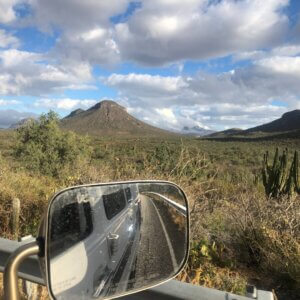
[(154, 252), (155, 256)]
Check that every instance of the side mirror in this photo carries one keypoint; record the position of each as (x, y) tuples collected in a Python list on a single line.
[(104, 241)]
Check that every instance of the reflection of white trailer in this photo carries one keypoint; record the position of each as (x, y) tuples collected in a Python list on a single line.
[(92, 254)]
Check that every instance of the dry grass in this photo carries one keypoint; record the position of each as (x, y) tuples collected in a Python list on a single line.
[(238, 235), (208, 275), (254, 236)]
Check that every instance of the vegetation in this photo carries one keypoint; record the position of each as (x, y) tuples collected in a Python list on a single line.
[(43, 147), (277, 179), (238, 235)]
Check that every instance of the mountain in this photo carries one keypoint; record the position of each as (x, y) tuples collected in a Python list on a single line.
[(288, 126), (74, 113), (196, 131), (289, 121), (228, 132), (108, 118), (22, 123)]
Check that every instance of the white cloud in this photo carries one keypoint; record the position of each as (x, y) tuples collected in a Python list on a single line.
[(6, 88), (65, 103), (75, 15), (167, 114), (250, 55), (95, 46), (145, 85), (86, 30), (215, 116), (160, 31), (167, 118), (168, 31), (7, 40), (7, 13), (284, 65), (79, 87), (26, 73), (9, 102), (288, 50), (226, 115), (243, 96), (12, 57)]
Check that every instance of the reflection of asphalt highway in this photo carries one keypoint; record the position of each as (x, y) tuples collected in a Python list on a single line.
[(151, 255), (155, 257)]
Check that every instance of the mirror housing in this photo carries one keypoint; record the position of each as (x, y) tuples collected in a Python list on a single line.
[(104, 241)]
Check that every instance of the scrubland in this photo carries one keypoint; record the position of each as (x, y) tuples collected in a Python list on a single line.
[(238, 235)]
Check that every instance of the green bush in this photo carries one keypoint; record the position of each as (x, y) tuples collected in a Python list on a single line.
[(44, 147)]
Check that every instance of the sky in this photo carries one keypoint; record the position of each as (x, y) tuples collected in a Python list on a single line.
[(216, 64)]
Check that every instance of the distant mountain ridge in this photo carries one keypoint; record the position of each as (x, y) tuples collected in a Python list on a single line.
[(288, 124), (227, 132), (288, 121), (196, 131), (22, 123), (108, 118)]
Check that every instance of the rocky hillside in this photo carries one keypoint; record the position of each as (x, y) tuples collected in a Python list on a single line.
[(289, 121), (108, 118)]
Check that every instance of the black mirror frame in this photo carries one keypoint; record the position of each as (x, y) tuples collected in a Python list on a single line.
[(46, 232)]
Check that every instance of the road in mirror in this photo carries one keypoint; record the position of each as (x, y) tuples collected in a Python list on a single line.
[(107, 240)]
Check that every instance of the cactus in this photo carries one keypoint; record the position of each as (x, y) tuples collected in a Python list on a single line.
[(292, 185), (296, 172), (274, 176), (276, 180)]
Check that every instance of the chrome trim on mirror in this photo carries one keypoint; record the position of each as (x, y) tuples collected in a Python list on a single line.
[(10, 280)]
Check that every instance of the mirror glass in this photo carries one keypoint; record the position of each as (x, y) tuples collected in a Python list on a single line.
[(112, 239)]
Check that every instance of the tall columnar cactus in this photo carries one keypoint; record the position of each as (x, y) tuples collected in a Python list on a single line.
[(296, 172), (292, 185), (276, 179)]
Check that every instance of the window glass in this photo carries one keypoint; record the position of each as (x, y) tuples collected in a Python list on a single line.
[(114, 203), (69, 225)]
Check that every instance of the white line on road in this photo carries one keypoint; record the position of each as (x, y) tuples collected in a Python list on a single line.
[(172, 254)]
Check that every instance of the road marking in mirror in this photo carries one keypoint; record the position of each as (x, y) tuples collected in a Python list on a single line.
[(172, 254)]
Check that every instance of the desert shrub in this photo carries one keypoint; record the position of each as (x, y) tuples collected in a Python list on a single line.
[(33, 192), (203, 268), (266, 235), (278, 179), (164, 157), (179, 161), (236, 229), (43, 147)]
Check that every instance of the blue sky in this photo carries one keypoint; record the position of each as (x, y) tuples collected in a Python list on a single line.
[(171, 63)]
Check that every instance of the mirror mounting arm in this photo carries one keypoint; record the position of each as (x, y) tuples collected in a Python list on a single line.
[(10, 279)]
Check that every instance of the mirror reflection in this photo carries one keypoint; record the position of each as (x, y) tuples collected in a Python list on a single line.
[(107, 240)]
